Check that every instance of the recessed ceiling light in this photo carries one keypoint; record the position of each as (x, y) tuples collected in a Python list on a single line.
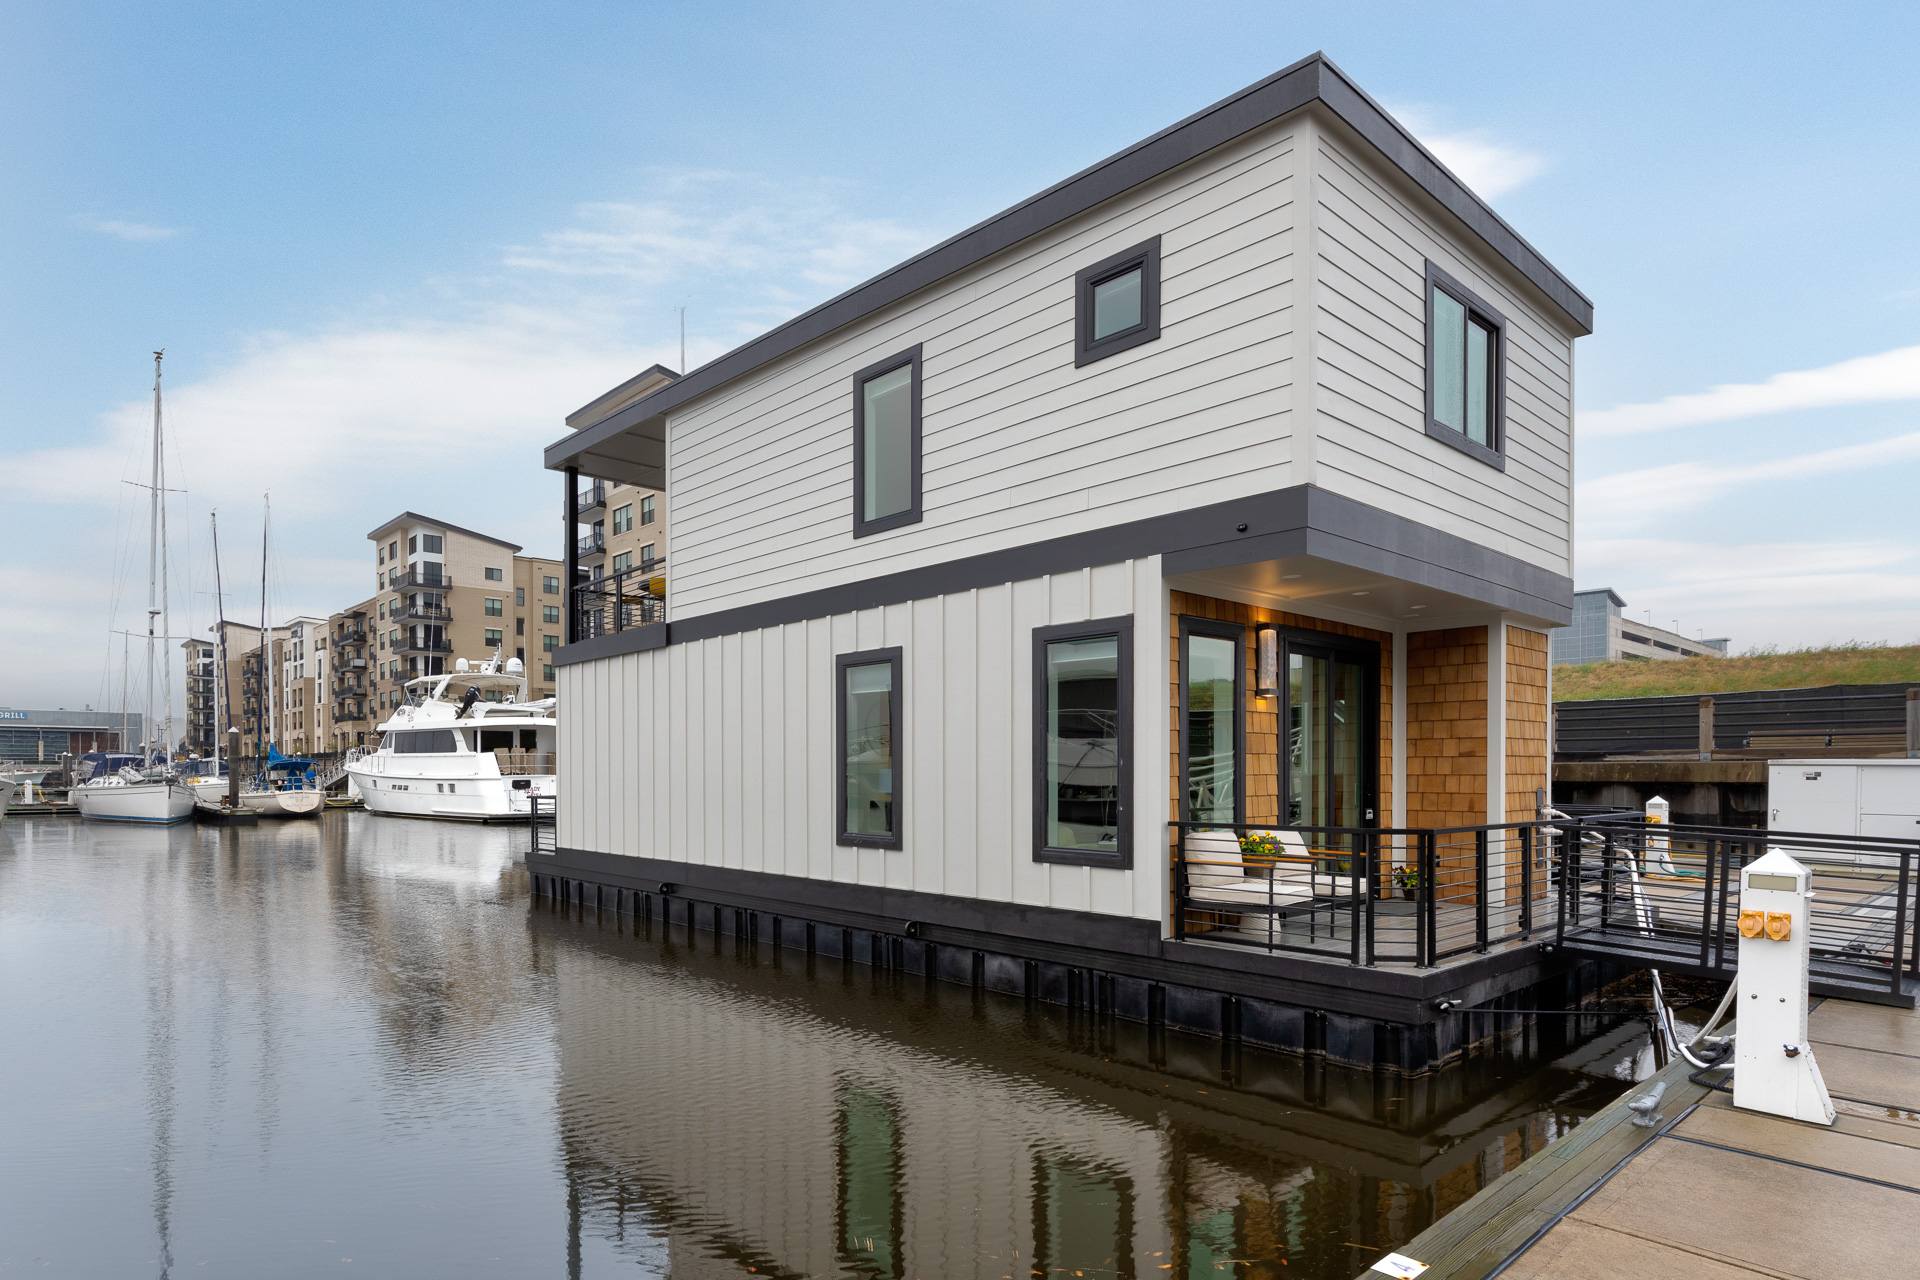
[(1416, 606), (1290, 576), (1363, 593)]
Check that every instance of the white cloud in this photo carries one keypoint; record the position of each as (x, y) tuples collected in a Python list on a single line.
[(1489, 167), (135, 231), (1891, 375), (1629, 499)]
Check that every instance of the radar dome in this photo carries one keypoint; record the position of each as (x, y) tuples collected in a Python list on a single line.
[(514, 666), (460, 664)]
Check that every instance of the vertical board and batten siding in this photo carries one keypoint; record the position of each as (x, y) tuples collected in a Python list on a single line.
[(720, 752), (1018, 444), (1371, 239)]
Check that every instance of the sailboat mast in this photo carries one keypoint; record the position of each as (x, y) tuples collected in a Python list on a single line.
[(153, 549), (221, 697), (166, 614), (266, 641)]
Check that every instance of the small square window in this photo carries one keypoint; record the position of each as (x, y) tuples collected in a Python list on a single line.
[(493, 636), (1117, 303), (886, 444), (496, 608), (1466, 356), (550, 613), (550, 586), (869, 784), (493, 575), (549, 643), (430, 543)]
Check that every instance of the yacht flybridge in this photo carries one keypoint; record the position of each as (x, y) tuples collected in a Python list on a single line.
[(462, 746)]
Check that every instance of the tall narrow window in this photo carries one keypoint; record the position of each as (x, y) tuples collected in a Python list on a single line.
[(867, 720), (1082, 1219), (623, 518), (1117, 303), (1465, 355), (886, 444), (1082, 725), (646, 509), (1212, 720)]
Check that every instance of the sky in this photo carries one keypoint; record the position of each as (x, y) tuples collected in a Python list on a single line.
[(388, 247)]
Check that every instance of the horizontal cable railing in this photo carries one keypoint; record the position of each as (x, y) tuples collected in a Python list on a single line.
[(544, 826), (630, 598), (1672, 891), (1364, 895)]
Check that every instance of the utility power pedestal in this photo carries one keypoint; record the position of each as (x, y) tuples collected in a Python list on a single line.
[(1774, 1070)]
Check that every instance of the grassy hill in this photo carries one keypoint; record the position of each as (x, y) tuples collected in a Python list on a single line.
[(1792, 669)]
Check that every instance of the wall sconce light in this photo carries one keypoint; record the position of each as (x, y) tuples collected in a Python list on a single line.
[(1266, 669)]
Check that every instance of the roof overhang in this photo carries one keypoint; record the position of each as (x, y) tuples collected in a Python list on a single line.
[(629, 444)]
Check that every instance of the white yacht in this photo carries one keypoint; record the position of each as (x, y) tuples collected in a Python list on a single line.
[(125, 789), (473, 757)]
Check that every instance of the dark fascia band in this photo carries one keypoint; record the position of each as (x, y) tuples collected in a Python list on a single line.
[(1312, 79), (1300, 521)]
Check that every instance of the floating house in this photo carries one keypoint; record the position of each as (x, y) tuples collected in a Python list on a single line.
[(1139, 599)]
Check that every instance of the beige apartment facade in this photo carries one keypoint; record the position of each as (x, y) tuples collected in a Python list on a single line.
[(445, 593), (622, 528)]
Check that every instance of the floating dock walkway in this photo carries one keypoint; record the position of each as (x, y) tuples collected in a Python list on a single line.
[(1714, 1193)]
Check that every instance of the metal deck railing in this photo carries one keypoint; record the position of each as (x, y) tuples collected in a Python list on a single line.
[(1669, 895), (620, 601), (543, 828)]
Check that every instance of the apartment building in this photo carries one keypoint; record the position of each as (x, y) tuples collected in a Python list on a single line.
[(301, 686), (1220, 491), (350, 685), (202, 675), (1602, 633), (444, 592)]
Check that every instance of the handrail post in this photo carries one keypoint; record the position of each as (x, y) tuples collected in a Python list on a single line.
[(1526, 882), (1894, 976), (1372, 889), (1425, 926), (1606, 882), (1179, 882), (1480, 918), (1706, 905), (570, 559), (1570, 845)]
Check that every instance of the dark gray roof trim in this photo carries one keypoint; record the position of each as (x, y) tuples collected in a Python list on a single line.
[(415, 516), (651, 371), (1313, 78), (1301, 521)]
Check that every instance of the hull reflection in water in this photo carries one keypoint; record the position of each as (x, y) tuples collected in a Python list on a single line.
[(726, 1107)]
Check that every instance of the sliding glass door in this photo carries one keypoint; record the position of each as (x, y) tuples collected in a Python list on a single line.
[(1330, 724)]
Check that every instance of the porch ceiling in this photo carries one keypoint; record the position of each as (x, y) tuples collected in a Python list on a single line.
[(1340, 591)]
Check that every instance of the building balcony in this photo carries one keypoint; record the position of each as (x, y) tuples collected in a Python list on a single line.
[(435, 579), (424, 644), (349, 664), (422, 613), (594, 495), (350, 635), (593, 544)]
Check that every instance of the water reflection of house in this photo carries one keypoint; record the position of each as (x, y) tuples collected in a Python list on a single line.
[(803, 1122), (1268, 407)]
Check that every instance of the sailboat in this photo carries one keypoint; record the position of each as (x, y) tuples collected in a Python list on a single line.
[(147, 791)]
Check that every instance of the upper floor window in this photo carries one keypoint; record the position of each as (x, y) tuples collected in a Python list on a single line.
[(495, 607), (519, 597), (550, 586), (493, 636), (646, 554), (549, 643), (1465, 361), (413, 544), (886, 444), (1117, 303), (550, 613), (646, 509), (494, 575), (623, 562), (623, 518), (430, 543)]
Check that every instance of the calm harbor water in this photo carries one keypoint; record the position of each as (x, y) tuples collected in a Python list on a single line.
[(353, 1045)]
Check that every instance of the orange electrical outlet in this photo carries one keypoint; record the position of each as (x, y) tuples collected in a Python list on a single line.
[(1751, 922), (1779, 925)]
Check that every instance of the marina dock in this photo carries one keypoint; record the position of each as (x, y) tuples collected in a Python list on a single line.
[(1715, 1193)]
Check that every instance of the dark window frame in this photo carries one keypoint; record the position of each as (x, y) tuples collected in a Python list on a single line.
[(896, 657), (1211, 627), (1146, 256), (1121, 859), (1044, 1263), (862, 527), (1495, 457)]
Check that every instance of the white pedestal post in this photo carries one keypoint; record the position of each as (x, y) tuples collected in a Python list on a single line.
[(1774, 1070)]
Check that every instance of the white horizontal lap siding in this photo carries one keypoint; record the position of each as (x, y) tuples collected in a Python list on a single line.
[(1018, 444), (727, 758), (1371, 240)]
